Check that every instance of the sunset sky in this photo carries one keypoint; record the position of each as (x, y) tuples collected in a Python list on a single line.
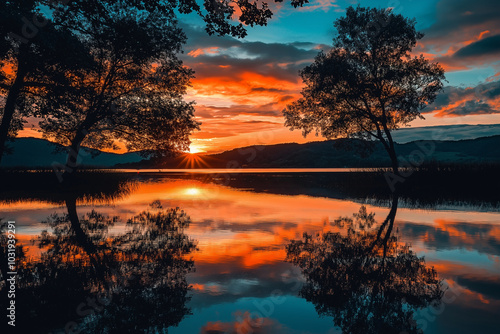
[(241, 86)]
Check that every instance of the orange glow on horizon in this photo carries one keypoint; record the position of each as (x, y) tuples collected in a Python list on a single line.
[(194, 148)]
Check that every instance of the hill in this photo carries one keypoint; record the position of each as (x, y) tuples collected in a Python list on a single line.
[(341, 153), (446, 132), (35, 152)]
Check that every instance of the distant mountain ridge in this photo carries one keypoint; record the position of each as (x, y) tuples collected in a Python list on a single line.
[(446, 132), (342, 153), (34, 152), (31, 152)]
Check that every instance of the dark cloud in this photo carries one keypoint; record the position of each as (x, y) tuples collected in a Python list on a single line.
[(264, 89), (464, 34), (487, 286), (309, 45), (459, 101), (286, 98), (489, 45), (474, 107), (459, 19), (282, 52), (223, 65), (485, 51), (227, 56)]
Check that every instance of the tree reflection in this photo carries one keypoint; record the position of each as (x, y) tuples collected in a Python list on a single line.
[(98, 276), (363, 277)]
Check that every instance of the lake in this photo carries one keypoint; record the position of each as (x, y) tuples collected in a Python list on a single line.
[(275, 252)]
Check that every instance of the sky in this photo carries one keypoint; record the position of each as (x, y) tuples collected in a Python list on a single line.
[(242, 85)]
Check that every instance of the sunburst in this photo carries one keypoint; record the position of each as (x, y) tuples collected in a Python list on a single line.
[(193, 160)]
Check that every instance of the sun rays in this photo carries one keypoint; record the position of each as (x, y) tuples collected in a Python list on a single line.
[(193, 160)]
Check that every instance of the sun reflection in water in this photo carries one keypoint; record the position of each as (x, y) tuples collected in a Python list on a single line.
[(192, 191)]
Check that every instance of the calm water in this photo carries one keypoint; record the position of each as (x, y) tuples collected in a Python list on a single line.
[(237, 260), (243, 170)]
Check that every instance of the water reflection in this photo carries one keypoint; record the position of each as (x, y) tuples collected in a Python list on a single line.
[(363, 277), (242, 235), (98, 275)]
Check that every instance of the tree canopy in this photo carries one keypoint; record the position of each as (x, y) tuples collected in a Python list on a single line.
[(31, 62), (369, 83), (131, 79), (133, 88), (367, 283), (91, 276)]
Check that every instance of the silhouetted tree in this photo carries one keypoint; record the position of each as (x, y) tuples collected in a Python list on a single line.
[(34, 59), (154, 253), (368, 84), (142, 34), (363, 277), (92, 280), (133, 92)]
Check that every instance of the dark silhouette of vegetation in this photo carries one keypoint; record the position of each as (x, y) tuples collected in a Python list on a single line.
[(363, 277), (92, 280), (89, 187), (101, 70), (34, 59), (132, 91), (368, 84)]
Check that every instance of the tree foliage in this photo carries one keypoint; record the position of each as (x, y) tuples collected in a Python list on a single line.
[(91, 276), (366, 283), (369, 83), (108, 91), (31, 62), (133, 88)]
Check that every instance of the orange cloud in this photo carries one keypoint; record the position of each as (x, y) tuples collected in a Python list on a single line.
[(204, 51), (324, 5), (482, 99), (246, 323)]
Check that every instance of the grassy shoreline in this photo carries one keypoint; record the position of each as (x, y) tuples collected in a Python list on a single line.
[(427, 185)]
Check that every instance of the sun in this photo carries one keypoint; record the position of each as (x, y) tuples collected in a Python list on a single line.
[(193, 149), (192, 191)]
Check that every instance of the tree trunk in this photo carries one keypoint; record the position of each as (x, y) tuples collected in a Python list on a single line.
[(394, 160), (83, 240), (10, 107), (81, 237), (73, 151), (391, 217), (388, 222), (391, 150)]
